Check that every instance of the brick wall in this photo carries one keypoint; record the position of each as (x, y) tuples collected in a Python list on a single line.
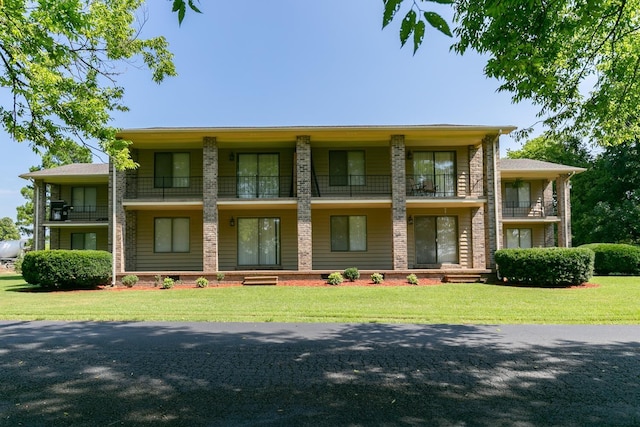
[(303, 191), (210, 205), (398, 203)]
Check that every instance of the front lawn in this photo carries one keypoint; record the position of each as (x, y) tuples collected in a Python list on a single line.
[(615, 301)]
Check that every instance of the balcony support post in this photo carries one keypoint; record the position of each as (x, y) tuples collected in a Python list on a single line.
[(399, 203), (210, 205), (303, 191)]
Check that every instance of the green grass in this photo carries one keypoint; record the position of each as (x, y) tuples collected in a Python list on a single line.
[(616, 301)]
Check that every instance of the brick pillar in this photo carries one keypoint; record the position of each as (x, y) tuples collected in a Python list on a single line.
[(131, 241), (476, 184), (210, 204), (547, 202), (118, 248), (399, 203), (493, 217), (564, 211), (478, 237), (39, 213), (303, 189)]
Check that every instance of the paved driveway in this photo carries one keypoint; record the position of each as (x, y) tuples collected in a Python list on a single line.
[(268, 374)]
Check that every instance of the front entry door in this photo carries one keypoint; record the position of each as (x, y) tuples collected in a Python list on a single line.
[(259, 242), (436, 239)]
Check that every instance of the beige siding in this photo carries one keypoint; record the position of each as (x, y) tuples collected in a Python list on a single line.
[(376, 159), (228, 237), (148, 260), (378, 254), (465, 244), (146, 159), (64, 236), (102, 193)]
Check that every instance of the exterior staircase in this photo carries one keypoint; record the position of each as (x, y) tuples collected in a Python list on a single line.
[(463, 278)]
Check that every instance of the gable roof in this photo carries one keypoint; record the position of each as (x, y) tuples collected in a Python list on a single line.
[(529, 168), (75, 172)]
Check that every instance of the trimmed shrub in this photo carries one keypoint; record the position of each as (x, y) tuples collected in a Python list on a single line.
[(545, 266), (167, 283), (220, 277), (65, 269), (377, 278), (615, 258), (129, 280), (335, 278), (412, 279), (202, 282), (352, 274)]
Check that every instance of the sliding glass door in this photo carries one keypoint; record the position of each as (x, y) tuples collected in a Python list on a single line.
[(258, 175), (436, 239), (259, 242)]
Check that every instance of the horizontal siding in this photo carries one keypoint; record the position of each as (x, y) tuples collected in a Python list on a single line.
[(378, 255), (64, 236), (147, 260), (465, 243), (228, 237), (537, 233), (227, 167), (102, 193)]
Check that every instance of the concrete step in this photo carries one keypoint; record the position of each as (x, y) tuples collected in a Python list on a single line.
[(462, 278), (260, 280)]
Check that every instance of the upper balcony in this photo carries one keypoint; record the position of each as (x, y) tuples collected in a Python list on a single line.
[(62, 213), (527, 209), (255, 187), (163, 188), (348, 186)]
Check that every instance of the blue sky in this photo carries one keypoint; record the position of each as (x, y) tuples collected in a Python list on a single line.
[(295, 62)]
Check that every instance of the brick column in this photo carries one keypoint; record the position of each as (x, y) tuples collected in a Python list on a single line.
[(303, 189), (39, 213), (118, 248), (399, 203), (131, 240), (493, 217), (547, 203), (476, 183), (478, 237), (564, 211), (210, 204)]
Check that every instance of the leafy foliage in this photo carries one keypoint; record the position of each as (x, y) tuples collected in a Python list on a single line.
[(377, 278), (65, 269), (412, 279), (335, 278), (545, 266), (8, 229), (130, 280), (351, 273), (59, 62), (180, 6), (579, 62), (167, 283), (202, 282), (615, 258)]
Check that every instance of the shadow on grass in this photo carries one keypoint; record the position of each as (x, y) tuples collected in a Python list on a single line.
[(255, 374)]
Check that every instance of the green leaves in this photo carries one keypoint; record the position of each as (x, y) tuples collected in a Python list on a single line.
[(180, 6), (415, 20)]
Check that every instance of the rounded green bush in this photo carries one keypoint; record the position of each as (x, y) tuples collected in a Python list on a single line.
[(615, 258), (352, 274), (545, 266), (66, 269), (377, 278), (130, 280), (335, 278)]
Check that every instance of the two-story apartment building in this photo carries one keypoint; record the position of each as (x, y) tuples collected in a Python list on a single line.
[(306, 199)]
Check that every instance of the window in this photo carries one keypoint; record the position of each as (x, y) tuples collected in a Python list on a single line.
[(348, 233), (83, 199), (172, 170), (259, 241), (258, 175), (435, 171), (436, 239), (171, 235), (84, 241), (517, 194), (518, 237), (346, 168)]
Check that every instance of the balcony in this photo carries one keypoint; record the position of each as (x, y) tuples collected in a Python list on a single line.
[(255, 187), (163, 187), (351, 186), (527, 209), (440, 185), (61, 212)]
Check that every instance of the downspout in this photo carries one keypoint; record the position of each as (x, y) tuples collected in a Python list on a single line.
[(113, 223), (36, 209)]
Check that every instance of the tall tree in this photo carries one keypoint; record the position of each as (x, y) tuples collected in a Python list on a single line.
[(579, 62), (8, 229), (59, 60)]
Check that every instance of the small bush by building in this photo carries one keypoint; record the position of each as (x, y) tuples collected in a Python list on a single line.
[(352, 274), (65, 269), (335, 278), (615, 258), (545, 266)]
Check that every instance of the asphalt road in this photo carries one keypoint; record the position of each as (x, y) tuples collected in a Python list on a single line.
[(270, 374)]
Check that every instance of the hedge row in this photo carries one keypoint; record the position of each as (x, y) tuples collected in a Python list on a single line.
[(64, 269), (545, 266), (614, 258)]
